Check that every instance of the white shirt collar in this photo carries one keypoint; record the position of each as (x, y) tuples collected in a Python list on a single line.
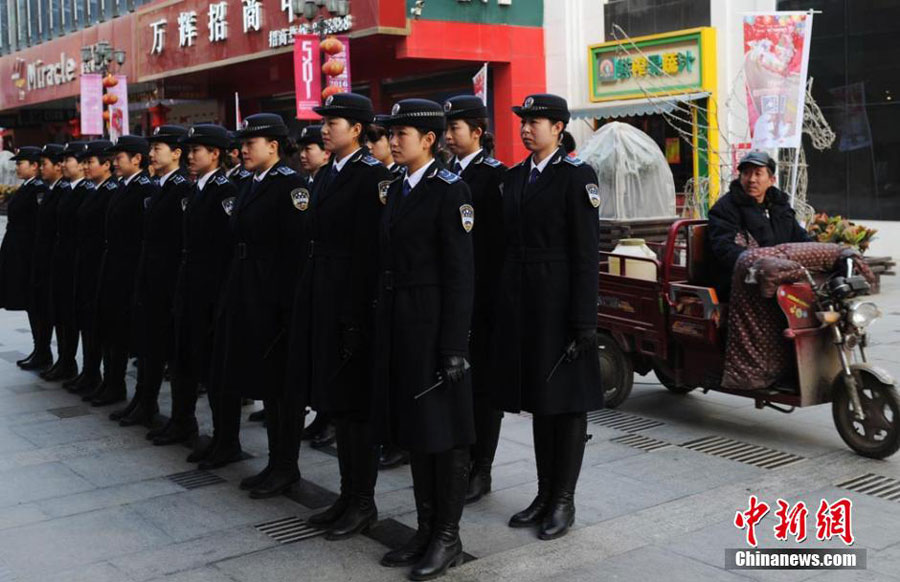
[(128, 180), (468, 159), (162, 181), (391, 166), (76, 182), (542, 164), (261, 177), (416, 176), (28, 181), (53, 185), (339, 164), (201, 183)]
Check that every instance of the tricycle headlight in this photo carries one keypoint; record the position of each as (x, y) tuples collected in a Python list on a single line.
[(863, 313)]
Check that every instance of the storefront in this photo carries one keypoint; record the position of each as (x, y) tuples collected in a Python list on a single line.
[(187, 60), (666, 85)]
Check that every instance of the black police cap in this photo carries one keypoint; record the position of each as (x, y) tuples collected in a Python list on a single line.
[(207, 134), (421, 113), (758, 158), (269, 125), (132, 144), (28, 153), (235, 142), (465, 107), (544, 105), (167, 134), (98, 147), (351, 106), (73, 149), (311, 134), (53, 152)]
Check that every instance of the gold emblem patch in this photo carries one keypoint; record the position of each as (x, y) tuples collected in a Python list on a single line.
[(593, 193), (383, 188), (184, 203), (228, 205), (300, 198), (467, 215)]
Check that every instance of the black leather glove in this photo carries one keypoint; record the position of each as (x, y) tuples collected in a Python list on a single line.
[(351, 338), (453, 368), (584, 342)]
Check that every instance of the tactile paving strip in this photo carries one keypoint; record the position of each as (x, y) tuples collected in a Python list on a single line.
[(874, 485), (195, 479), (637, 441), (289, 530), (621, 421), (747, 453)]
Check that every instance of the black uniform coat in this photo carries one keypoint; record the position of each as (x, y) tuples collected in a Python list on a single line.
[(548, 289), (44, 241), (124, 232), (337, 288), (424, 309), (63, 269), (207, 249), (771, 223), (157, 271), (18, 245), (250, 342), (90, 234), (484, 176)]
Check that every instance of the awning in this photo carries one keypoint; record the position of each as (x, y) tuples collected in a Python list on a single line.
[(641, 106)]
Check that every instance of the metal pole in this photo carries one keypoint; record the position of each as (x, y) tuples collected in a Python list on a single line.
[(795, 176)]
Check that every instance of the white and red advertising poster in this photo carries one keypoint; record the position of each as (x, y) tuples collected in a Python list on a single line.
[(307, 75), (336, 52), (480, 84), (118, 111), (776, 56), (91, 104)]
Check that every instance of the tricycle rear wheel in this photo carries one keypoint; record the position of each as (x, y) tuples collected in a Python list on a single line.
[(616, 371), (878, 436), (667, 378)]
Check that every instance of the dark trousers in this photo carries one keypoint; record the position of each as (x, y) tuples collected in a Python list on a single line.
[(357, 458), (185, 389), (41, 332), (439, 485), (115, 364), (487, 432), (91, 354)]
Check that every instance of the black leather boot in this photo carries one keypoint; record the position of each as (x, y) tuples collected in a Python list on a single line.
[(201, 451), (316, 426), (324, 437), (392, 456), (40, 361), (533, 515), (117, 415), (325, 519), (50, 372), (487, 435), (177, 431), (25, 359), (445, 549), (412, 551), (258, 416), (115, 360), (273, 480), (362, 464), (223, 454), (71, 385), (148, 404), (570, 432), (89, 392), (227, 427), (42, 332)]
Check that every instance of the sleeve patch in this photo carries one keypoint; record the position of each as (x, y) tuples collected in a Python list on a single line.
[(228, 205), (467, 216), (593, 193), (300, 198)]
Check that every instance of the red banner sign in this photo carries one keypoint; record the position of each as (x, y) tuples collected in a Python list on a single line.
[(307, 75)]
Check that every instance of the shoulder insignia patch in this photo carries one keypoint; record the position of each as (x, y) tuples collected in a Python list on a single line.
[(228, 205), (300, 198), (87, 185), (38, 182), (448, 176), (467, 215), (370, 160), (383, 187), (144, 180), (593, 193), (178, 179), (111, 185), (572, 161), (221, 180), (184, 203), (147, 201), (244, 174), (285, 171), (492, 162)]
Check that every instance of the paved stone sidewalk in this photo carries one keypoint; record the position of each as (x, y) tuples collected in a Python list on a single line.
[(83, 499)]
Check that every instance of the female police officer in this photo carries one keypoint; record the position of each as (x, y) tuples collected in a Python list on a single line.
[(467, 138), (422, 323), (545, 347)]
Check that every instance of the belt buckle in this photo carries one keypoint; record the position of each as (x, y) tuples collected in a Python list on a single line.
[(241, 250), (311, 249), (388, 280)]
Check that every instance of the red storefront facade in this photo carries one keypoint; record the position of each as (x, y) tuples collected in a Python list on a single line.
[(197, 58)]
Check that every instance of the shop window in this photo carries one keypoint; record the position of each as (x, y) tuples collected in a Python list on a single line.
[(643, 17)]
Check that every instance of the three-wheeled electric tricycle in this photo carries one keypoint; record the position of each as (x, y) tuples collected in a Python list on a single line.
[(674, 325)]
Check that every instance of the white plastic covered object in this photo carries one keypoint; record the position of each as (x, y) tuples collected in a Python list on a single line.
[(634, 178)]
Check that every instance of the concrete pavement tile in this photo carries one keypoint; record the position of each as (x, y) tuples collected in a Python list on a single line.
[(192, 554), (39, 482), (649, 563), (98, 572), (108, 497), (72, 542), (66, 431), (885, 561), (36, 401), (10, 442), (21, 514), (205, 574), (117, 467), (854, 576), (62, 452), (25, 388)]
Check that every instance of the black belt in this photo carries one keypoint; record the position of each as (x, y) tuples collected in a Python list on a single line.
[(243, 251), (391, 280), (317, 249), (538, 254)]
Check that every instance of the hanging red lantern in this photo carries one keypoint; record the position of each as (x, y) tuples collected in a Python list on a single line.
[(106, 115), (110, 81), (157, 114), (110, 98)]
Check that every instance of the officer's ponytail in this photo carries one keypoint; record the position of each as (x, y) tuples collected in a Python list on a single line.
[(487, 138)]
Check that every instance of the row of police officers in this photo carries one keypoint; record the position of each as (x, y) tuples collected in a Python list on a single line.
[(409, 305)]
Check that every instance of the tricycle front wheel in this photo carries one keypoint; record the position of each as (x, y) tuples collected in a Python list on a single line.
[(616, 371), (878, 435), (666, 377)]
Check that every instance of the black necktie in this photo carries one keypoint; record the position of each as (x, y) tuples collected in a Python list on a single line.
[(533, 177), (457, 168), (407, 188)]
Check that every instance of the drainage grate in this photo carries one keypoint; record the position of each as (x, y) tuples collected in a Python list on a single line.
[(69, 411), (637, 441), (289, 530), (621, 421), (195, 479), (874, 485), (747, 453)]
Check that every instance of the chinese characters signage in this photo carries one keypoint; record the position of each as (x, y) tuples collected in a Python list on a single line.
[(665, 65)]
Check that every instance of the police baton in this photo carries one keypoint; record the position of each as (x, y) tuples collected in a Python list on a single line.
[(561, 359), (466, 366)]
